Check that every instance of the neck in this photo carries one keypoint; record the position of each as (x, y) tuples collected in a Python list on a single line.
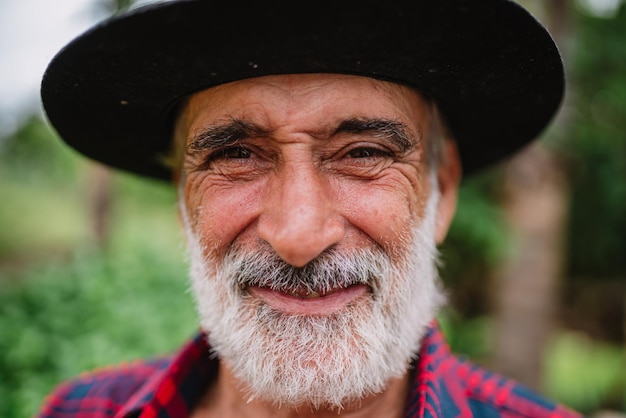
[(225, 398)]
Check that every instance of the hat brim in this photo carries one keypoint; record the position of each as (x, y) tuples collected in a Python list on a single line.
[(493, 69)]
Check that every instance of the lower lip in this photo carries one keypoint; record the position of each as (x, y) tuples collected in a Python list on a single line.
[(323, 305)]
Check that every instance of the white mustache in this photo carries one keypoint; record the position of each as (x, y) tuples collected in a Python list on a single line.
[(331, 270)]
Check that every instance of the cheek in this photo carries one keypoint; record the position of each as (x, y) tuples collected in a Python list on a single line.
[(221, 213), (384, 212)]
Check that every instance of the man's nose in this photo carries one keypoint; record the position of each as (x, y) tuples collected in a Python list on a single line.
[(300, 219)]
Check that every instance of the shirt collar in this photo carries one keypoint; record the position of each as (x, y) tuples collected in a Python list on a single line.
[(436, 391), (176, 388)]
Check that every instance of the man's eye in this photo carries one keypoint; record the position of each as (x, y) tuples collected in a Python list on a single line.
[(367, 153), (233, 153)]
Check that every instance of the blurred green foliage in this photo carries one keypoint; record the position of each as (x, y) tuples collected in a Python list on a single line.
[(38, 178), (586, 374), (595, 145), (66, 304), (62, 319)]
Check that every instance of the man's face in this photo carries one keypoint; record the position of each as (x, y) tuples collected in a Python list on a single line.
[(312, 216)]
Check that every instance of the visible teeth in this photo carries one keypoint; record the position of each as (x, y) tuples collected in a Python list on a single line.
[(309, 295), (306, 294)]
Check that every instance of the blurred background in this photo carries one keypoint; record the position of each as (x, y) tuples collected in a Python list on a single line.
[(92, 264)]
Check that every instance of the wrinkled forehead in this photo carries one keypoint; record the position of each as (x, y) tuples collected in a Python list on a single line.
[(302, 96)]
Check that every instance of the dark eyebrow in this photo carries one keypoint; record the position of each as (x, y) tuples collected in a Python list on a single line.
[(227, 134), (218, 136), (390, 130)]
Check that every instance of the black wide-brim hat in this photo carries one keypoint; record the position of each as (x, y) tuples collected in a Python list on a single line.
[(493, 69)]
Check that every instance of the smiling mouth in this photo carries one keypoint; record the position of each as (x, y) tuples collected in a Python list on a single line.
[(306, 302)]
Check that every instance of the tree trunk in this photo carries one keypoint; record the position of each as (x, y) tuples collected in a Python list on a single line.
[(527, 290), (535, 199), (100, 201)]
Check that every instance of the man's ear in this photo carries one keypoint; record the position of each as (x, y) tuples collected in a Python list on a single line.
[(448, 178)]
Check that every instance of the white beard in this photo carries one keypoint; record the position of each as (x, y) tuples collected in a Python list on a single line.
[(319, 361)]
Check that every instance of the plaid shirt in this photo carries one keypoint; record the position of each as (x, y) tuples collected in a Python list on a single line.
[(444, 386)]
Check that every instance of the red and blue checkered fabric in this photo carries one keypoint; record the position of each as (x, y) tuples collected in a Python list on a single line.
[(444, 386)]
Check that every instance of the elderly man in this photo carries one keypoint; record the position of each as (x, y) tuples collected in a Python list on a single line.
[(317, 149)]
